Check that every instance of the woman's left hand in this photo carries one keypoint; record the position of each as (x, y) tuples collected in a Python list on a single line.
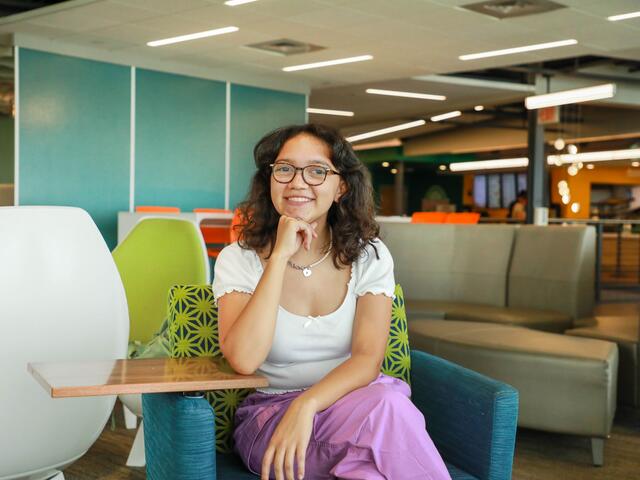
[(289, 441)]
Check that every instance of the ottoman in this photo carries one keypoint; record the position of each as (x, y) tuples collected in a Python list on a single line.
[(566, 384), (625, 332)]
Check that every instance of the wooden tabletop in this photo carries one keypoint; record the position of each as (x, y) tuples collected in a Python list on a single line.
[(151, 375)]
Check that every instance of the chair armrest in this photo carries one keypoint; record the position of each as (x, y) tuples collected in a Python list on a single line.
[(179, 437), (471, 418)]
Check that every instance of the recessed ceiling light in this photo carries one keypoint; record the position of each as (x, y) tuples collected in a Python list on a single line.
[(382, 131), (233, 3), (385, 164), (442, 168), (489, 164), (324, 111), (192, 36), (394, 170), (590, 166), (565, 97), (444, 116), (623, 16), (328, 63), (526, 48), (395, 93), (478, 108), (595, 156), (635, 164)]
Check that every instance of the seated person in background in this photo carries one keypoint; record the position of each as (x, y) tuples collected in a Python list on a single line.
[(518, 208), (304, 299)]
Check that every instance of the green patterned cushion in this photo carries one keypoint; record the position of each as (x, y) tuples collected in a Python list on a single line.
[(397, 358), (193, 330)]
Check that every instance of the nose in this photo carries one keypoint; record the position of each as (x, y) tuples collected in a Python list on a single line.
[(298, 181)]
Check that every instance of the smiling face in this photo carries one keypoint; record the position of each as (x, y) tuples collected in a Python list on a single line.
[(298, 199)]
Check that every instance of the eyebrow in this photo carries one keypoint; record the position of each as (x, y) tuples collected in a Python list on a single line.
[(312, 162)]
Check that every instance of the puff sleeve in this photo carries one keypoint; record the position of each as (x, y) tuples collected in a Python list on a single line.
[(374, 273), (236, 270)]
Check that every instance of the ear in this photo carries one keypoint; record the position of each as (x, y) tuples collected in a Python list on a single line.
[(342, 189)]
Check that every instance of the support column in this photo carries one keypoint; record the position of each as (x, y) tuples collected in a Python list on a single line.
[(537, 173), (398, 190)]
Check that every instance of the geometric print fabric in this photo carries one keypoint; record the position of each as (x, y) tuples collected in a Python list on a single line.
[(193, 332)]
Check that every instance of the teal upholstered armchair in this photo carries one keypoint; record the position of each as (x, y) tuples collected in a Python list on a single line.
[(471, 418)]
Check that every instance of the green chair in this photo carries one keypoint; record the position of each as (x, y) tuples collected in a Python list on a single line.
[(193, 332), (472, 419), (155, 255)]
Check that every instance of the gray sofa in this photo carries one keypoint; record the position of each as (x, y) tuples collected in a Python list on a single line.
[(536, 277), (496, 298)]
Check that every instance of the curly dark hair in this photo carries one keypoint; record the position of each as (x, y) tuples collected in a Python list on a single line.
[(352, 218)]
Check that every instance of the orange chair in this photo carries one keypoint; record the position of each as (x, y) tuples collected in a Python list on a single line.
[(428, 217), (156, 209), (215, 235), (211, 210), (463, 217)]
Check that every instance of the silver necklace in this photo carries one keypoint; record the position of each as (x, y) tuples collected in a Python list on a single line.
[(306, 271)]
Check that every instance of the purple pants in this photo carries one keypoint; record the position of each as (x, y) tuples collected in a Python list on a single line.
[(372, 433)]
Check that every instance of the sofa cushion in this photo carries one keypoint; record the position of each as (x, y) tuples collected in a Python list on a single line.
[(545, 320), (451, 262), (553, 268), (566, 384)]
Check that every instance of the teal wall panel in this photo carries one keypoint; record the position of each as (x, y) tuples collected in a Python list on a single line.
[(180, 141), (6, 149), (74, 135), (255, 112)]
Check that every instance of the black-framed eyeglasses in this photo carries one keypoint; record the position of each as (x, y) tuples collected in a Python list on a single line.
[(313, 175)]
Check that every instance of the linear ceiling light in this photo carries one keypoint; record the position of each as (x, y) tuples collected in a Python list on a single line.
[(233, 3), (382, 131), (444, 116), (526, 48), (395, 93), (578, 95), (608, 155), (623, 16), (192, 36), (328, 63), (324, 111), (489, 164)]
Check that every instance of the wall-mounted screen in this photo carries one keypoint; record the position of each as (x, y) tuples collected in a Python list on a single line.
[(480, 190), (493, 190), (508, 189)]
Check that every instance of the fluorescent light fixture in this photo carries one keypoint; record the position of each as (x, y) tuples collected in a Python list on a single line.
[(324, 111), (192, 36), (478, 108), (605, 156), (395, 93), (392, 142), (489, 164), (623, 16), (233, 3), (328, 63), (444, 116), (382, 131), (578, 95), (526, 48)]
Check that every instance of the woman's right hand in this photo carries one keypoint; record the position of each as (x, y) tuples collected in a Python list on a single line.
[(292, 234)]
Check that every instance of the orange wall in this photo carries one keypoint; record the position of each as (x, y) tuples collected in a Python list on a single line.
[(580, 185)]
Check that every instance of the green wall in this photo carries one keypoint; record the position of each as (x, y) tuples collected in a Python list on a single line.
[(180, 141), (255, 112), (6, 149), (74, 135), (75, 145)]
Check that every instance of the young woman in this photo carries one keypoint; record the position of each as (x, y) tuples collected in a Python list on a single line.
[(304, 298)]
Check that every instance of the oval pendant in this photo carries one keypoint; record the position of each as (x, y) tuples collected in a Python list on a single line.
[(306, 272)]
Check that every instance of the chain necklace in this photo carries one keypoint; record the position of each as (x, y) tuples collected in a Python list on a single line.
[(306, 270)]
